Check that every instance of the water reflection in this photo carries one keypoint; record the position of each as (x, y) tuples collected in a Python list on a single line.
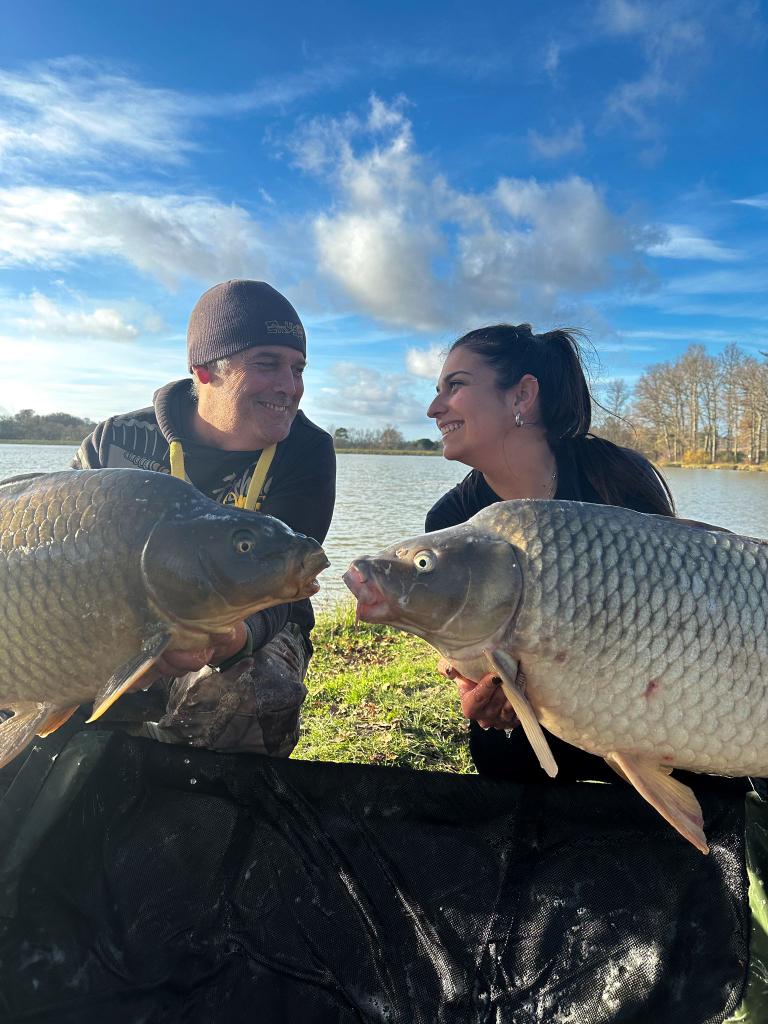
[(737, 500)]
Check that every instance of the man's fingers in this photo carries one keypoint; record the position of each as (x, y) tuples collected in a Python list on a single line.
[(175, 663)]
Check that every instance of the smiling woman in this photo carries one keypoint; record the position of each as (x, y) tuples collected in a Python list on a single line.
[(516, 407)]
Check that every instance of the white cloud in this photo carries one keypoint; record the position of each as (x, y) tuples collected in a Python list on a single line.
[(48, 319), (367, 393), (168, 237), (86, 114), (552, 60), (411, 250), (673, 40), (72, 377), (559, 144), (541, 242), (76, 108), (760, 202), (425, 363), (623, 17), (720, 282), (682, 243)]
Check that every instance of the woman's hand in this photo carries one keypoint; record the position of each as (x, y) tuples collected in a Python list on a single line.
[(485, 702)]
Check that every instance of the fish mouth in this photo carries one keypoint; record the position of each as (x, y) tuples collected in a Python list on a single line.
[(372, 606), (312, 565)]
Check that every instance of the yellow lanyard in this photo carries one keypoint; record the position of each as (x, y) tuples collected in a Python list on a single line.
[(253, 498)]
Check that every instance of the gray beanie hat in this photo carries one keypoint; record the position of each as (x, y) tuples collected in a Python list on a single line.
[(240, 314)]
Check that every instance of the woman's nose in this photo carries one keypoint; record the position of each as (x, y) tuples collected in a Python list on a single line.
[(434, 407)]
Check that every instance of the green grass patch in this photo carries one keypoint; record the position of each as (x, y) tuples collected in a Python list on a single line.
[(375, 697)]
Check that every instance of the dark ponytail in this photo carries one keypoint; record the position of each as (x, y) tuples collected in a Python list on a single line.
[(620, 476)]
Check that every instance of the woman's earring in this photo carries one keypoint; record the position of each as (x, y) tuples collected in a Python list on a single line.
[(519, 421)]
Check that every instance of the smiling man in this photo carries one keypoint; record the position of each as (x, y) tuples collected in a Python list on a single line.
[(236, 433)]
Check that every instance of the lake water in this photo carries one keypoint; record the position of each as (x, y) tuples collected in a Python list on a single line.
[(383, 498)]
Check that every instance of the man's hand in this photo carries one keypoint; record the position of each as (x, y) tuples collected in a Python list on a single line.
[(178, 663), (483, 701)]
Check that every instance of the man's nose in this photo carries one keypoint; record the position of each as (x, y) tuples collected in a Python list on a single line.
[(286, 381)]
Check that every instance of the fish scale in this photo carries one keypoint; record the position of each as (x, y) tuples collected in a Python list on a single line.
[(639, 638), (102, 571), (680, 629)]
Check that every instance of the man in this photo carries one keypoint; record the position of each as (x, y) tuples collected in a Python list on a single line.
[(235, 432)]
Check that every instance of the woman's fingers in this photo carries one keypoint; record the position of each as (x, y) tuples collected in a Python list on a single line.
[(486, 703), (445, 668)]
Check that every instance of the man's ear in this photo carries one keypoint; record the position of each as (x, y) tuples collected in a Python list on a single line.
[(202, 374)]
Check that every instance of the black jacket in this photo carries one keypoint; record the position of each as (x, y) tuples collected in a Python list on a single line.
[(300, 487)]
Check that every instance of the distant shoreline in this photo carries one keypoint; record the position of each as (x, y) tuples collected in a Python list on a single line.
[(739, 467), (21, 440)]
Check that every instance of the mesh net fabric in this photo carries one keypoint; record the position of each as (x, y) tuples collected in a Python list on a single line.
[(146, 882)]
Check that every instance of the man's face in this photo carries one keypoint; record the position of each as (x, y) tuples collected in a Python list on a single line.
[(260, 392)]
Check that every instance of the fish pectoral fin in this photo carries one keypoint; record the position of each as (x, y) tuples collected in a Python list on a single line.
[(506, 668), (56, 720), (128, 675), (674, 801), (17, 732)]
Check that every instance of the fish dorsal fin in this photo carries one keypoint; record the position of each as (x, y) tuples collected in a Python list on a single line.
[(129, 674), (507, 669), (674, 801), (17, 732), (16, 484)]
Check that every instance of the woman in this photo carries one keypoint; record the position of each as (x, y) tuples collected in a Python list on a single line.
[(516, 407)]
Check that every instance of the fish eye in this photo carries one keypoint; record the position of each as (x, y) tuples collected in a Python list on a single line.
[(424, 561), (244, 542)]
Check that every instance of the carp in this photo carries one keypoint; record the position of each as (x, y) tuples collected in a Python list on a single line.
[(101, 571), (639, 638)]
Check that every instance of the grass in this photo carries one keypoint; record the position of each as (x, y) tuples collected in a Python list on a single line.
[(375, 698)]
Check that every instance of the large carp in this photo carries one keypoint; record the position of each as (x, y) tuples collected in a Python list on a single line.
[(635, 637), (102, 571)]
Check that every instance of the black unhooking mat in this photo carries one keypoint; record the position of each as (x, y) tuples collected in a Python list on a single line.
[(141, 882)]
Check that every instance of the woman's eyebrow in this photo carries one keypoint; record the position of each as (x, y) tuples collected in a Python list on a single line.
[(449, 377)]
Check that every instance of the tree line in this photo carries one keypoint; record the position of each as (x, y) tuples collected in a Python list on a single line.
[(697, 409), (389, 438), (27, 425)]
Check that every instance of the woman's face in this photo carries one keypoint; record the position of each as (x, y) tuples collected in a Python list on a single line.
[(474, 415)]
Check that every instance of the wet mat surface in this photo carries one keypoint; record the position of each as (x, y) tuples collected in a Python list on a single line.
[(141, 882)]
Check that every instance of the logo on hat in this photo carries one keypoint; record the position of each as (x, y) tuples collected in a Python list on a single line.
[(284, 327)]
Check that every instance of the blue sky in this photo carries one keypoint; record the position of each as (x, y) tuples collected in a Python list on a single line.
[(401, 174)]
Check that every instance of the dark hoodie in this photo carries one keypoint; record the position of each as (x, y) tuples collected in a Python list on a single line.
[(300, 487)]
